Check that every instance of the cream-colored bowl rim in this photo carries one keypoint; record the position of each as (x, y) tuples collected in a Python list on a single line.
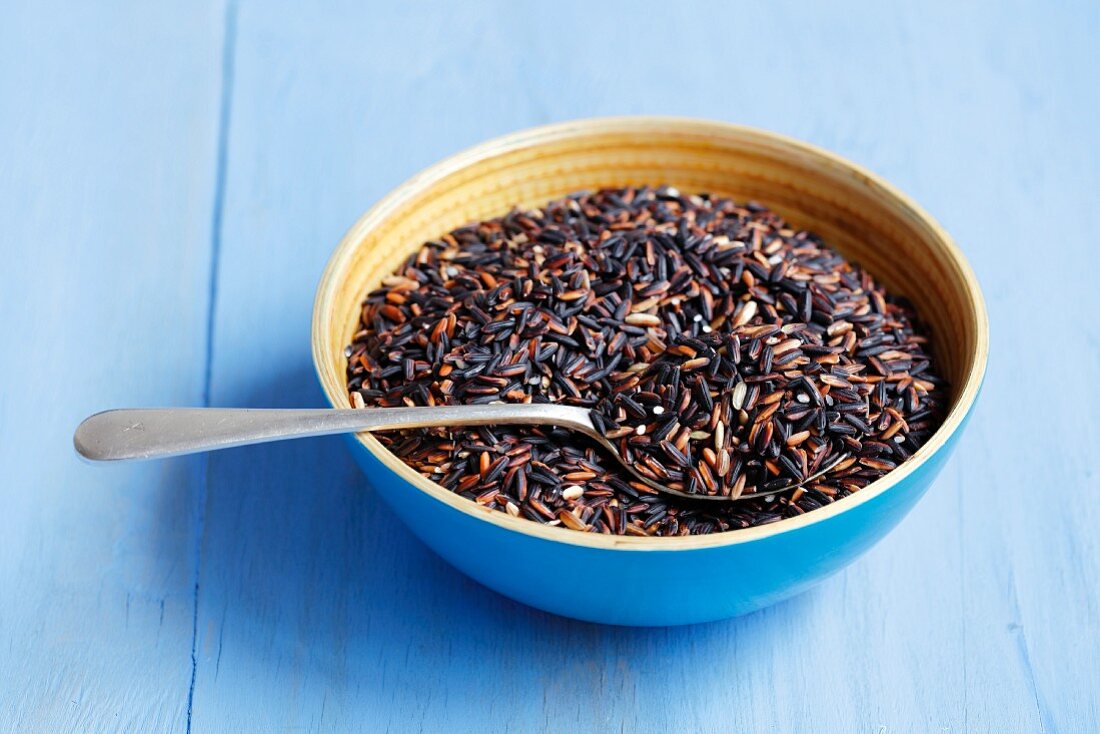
[(331, 376)]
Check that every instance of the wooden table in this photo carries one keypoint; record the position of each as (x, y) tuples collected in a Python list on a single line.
[(172, 179)]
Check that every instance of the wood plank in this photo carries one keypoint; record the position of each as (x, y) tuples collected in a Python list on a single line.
[(108, 122), (329, 616)]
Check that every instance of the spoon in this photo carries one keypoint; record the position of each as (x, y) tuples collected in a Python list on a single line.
[(157, 433)]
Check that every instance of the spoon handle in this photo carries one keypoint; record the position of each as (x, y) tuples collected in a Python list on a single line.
[(155, 433)]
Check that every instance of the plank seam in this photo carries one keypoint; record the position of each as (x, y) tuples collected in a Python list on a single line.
[(216, 227)]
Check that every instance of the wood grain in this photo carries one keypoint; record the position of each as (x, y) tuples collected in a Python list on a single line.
[(314, 611)]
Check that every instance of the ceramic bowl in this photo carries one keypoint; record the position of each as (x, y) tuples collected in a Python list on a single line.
[(660, 581)]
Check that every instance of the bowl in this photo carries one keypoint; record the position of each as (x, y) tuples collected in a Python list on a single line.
[(681, 580)]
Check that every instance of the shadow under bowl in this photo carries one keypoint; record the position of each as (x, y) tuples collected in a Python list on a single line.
[(660, 581)]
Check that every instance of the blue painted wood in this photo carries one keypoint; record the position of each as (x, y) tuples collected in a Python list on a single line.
[(108, 119), (315, 609)]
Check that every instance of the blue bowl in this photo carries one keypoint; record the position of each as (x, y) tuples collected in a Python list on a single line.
[(626, 580)]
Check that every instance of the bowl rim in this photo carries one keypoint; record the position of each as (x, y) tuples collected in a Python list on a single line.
[(342, 255)]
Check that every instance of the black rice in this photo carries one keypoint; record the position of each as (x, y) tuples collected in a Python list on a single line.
[(723, 351)]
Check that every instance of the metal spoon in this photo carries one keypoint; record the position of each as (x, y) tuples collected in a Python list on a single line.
[(157, 433)]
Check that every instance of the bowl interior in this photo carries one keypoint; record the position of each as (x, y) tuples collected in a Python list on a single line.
[(854, 211)]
